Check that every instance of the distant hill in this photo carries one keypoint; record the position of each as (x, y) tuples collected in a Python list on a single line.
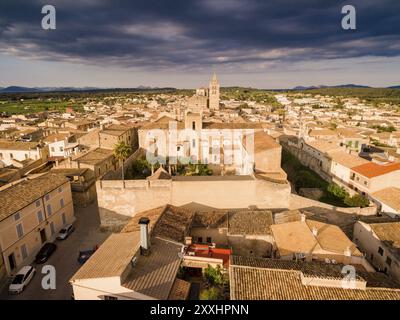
[(394, 87), (323, 87), (17, 89)]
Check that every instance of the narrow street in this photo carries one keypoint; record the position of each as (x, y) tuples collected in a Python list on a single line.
[(64, 259)]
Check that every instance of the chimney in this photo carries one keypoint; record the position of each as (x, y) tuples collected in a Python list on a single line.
[(188, 241), (314, 231), (144, 236)]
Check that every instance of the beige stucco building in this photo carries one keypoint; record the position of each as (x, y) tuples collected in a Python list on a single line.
[(380, 242), (99, 160), (32, 211)]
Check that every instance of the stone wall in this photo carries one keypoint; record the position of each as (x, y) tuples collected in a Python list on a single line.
[(321, 167), (82, 199), (119, 200), (298, 202)]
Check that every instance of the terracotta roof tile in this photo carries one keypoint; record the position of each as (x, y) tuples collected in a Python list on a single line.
[(371, 170)]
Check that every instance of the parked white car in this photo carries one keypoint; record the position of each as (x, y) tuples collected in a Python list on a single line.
[(21, 279), (65, 232)]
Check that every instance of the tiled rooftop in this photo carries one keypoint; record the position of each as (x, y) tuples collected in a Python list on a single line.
[(112, 258), (22, 194), (180, 290), (250, 222), (389, 196), (389, 234), (17, 145), (297, 236), (167, 222), (95, 156), (371, 170), (154, 275), (249, 283)]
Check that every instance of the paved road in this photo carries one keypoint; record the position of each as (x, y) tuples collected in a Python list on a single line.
[(85, 236)]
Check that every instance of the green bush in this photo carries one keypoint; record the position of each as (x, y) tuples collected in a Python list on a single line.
[(308, 179), (198, 170), (212, 293), (356, 201)]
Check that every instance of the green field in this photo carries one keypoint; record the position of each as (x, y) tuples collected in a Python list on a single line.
[(36, 105)]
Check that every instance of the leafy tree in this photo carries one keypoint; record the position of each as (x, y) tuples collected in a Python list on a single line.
[(214, 276), (142, 168), (122, 152), (337, 191)]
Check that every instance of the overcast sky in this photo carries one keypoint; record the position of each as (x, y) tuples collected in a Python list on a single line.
[(257, 43)]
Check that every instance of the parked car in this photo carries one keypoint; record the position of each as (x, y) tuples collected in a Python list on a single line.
[(45, 253), (65, 232), (85, 255), (21, 279)]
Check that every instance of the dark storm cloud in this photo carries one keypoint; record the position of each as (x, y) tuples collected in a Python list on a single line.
[(188, 34)]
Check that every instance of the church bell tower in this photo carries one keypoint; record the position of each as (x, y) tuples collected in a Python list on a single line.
[(214, 93)]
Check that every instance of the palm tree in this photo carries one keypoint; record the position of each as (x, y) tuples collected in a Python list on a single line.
[(122, 152)]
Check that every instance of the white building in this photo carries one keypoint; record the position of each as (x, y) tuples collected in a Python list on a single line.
[(20, 151)]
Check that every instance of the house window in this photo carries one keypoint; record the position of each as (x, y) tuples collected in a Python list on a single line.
[(17, 216), (200, 239), (52, 149), (380, 251), (194, 125), (47, 197), (11, 156), (26, 156), (24, 252), (62, 203), (49, 209), (194, 143), (60, 189), (40, 216), (64, 219), (208, 239), (388, 261), (20, 230), (52, 228), (61, 149), (37, 203)]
